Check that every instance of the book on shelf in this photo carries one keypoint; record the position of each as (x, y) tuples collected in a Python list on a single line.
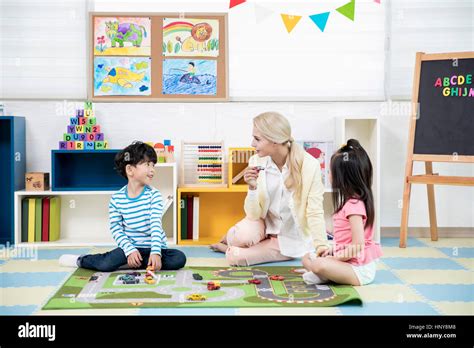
[(195, 218), (189, 234), (40, 219), (322, 151), (184, 218)]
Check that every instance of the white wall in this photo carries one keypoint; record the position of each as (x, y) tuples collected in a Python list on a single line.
[(125, 122), (413, 26)]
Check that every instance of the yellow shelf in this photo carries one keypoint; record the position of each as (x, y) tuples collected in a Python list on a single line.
[(200, 241), (197, 189)]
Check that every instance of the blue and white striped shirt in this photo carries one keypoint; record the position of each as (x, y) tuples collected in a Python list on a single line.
[(136, 222)]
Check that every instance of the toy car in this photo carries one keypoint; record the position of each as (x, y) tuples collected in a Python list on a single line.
[(213, 286), (149, 280), (277, 277), (254, 281), (197, 276), (134, 274), (93, 278), (131, 281), (196, 297)]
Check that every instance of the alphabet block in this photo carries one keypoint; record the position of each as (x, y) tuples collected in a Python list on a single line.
[(79, 145), (167, 142), (87, 129), (88, 113), (82, 120), (82, 137), (63, 145), (67, 137), (106, 144), (99, 145), (99, 136), (79, 129), (91, 121), (79, 113), (89, 145), (71, 145), (74, 121), (96, 129), (71, 129), (90, 136), (76, 137)]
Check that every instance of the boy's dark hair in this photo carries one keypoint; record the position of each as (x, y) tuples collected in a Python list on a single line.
[(351, 172), (133, 154), (191, 63)]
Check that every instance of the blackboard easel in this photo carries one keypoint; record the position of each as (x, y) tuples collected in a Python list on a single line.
[(430, 140)]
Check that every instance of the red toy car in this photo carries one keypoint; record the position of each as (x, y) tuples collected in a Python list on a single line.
[(277, 277), (213, 286), (254, 281)]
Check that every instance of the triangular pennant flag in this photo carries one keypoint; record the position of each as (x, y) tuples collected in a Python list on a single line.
[(347, 10), (261, 13), (234, 3), (290, 21), (320, 20), (377, 1)]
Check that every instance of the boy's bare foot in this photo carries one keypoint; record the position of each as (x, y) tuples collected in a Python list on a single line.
[(219, 247)]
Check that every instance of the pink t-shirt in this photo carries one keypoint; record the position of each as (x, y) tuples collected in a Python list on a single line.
[(343, 233)]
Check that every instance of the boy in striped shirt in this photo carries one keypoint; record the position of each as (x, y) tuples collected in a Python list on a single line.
[(135, 213)]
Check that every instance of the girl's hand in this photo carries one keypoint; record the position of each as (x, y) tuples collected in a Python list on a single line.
[(321, 250), (327, 252), (250, 177), (155, 262)]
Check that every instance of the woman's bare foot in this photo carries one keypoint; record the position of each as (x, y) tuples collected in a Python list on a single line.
[(219, 247)]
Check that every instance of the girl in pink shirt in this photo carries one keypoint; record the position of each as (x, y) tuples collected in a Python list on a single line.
[(353, 257)]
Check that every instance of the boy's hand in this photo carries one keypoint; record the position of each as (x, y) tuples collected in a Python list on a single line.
[(155, 261), (135, 259)]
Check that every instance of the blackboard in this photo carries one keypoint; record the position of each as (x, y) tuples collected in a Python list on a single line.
[(445, 124)]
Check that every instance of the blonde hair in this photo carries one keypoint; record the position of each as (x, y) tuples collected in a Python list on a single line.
[(276, 128)]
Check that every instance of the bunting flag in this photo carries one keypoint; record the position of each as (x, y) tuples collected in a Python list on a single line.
[(234, 3), (347, 10), (377, 1), (262, 13), (290, 21), (320, 20)]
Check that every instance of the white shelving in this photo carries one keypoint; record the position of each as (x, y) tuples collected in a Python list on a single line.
[(367, 131), (85, 215)]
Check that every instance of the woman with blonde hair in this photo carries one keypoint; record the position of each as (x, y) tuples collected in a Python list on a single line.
[(284, 204)]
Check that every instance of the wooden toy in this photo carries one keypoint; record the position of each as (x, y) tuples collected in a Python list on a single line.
[(167, 142), (95, 129), (88, 113), (160, 152), (90, 136), (91, 121), (87, 129), (88, 105), (79, 129), (67, 137), (74, 121), (79, 113), (99, 136), (75, 137), (36, 181), (202, 164), (71, 129), (70, 145), (63, 145), (169, 153), (79, 145), (82, 137), (106, 144)]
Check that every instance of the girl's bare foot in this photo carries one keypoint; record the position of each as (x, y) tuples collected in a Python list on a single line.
[(219, 247)]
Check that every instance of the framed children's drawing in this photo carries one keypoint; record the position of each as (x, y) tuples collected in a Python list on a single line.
[(158, 57)]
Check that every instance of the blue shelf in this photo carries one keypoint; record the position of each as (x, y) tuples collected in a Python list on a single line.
[(12, 171), (85, 170)]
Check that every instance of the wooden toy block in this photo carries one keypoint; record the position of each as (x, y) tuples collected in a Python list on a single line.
[(162, 159), (95, 129), (36, 181), (87, 129), (89, 145), (99, 145), (87, 105), (71, 129), (67, 137), (70, 145), (83, 137), (79, 129), (88, 113), (74, 121), (91, 121), (76, 137), (167, 142), (79, 145), (82, 120), (90, 136), (99, 137), (106, 144), (63, 145), (79, 113)]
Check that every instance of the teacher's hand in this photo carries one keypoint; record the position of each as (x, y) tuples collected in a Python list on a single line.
[(250, 177)]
